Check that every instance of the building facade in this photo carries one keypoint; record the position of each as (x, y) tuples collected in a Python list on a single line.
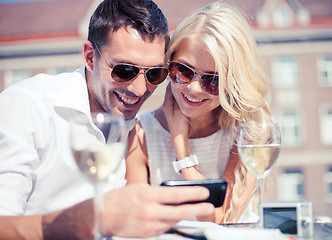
[(295, 43)]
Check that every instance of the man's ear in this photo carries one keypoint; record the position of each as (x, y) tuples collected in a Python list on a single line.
[(88, 55)]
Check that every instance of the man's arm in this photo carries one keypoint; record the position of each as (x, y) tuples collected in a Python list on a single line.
[(20, 227), (136, 210), (73, 223)]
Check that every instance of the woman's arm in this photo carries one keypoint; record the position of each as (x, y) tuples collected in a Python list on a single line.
[(179, 126), (137, 157), (243, 191)]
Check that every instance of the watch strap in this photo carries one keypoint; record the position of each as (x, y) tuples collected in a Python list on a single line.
[(185, 163)]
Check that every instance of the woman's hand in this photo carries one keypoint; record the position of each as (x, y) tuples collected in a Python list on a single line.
[(178, 123)]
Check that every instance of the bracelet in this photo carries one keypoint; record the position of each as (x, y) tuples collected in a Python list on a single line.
[(185, 163)]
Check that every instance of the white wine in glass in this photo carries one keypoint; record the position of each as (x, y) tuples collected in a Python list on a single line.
[(99, 162), (98, 145), (259, 147)]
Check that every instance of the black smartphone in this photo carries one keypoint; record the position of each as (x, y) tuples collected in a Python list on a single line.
[(217, 188)]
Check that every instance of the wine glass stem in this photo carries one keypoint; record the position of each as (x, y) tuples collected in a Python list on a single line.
[(98, 211), (260, 209)]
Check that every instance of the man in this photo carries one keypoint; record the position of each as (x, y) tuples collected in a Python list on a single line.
[(43, 195)]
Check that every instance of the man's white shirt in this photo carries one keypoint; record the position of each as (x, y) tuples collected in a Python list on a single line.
[(37, 171)]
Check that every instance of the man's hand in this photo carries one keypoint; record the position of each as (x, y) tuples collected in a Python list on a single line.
[(141, 210), (136, 210)]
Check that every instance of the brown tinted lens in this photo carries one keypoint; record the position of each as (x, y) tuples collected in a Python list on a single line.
[(124, 72), (210, 84), (156, 76), (180, 73)]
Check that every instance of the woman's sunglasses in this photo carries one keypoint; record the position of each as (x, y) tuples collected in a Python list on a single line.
[(182, 74), (122, 72)]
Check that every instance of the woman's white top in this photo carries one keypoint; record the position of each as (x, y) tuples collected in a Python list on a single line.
[(212, 152)]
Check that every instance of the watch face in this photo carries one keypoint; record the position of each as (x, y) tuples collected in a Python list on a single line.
[(281, 218)]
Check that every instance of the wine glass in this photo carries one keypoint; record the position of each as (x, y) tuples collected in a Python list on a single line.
[(259, 147), (98, 145)]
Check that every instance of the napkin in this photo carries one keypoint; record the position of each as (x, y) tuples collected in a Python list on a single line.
[(240, 233), (214, 231)]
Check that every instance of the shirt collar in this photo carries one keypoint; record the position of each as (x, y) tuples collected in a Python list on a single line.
[(72, 92), (73, 96)]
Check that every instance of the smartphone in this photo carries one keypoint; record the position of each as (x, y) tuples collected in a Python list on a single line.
[(216, 187)]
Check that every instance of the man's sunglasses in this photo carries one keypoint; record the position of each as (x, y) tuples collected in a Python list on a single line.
[(182, 74), (122, 72)]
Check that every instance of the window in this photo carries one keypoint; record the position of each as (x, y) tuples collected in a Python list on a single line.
[(59, 70), (290, 123), (328, 180), (326, 126), (263, 18), (291, 185), (325, 68), (282, 17), (285, 73), (14, 76)]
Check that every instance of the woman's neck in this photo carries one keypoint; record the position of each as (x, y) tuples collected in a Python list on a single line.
[(204, 126), (200, 127)]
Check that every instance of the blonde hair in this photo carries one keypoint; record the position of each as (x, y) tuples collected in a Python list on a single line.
[(243, 85)]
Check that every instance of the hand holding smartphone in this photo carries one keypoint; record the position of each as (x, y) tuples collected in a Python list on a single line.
[(216, 187)]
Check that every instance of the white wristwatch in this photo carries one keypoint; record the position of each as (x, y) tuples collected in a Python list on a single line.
[(185, 163)]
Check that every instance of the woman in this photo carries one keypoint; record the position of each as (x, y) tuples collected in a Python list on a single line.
[(217, 82)]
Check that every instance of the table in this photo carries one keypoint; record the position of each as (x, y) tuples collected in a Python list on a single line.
[(321, 232)]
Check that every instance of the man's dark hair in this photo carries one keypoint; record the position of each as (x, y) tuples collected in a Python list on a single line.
[(142, 15)]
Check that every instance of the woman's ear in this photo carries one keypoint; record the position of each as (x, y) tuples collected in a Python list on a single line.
[(88, 55)]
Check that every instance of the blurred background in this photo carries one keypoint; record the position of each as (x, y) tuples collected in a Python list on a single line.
[(295, 42)]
